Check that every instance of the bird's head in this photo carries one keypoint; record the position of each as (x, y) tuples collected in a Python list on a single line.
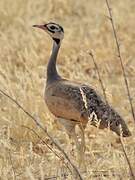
[(54, 30)]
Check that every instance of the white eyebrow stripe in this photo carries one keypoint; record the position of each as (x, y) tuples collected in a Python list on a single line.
[(49, 25)]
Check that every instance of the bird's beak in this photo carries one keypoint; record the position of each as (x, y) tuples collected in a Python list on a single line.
[(40, 26)]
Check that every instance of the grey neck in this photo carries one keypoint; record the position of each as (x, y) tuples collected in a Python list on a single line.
[(52, 74)]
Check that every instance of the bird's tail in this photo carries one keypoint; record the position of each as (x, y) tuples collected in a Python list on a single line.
[(105, 114), (110, 118)]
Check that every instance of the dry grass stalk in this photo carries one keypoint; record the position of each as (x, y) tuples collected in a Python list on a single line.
[(126, 83), (45, 131), (13, 169), (91, 116), (48, 146), (84, 99), (125, 154), (120, 58), (99, 76)]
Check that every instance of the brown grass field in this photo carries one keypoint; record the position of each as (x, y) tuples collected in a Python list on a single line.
[(24, 53)]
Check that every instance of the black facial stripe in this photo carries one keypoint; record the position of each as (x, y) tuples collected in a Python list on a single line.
[(61, 28), (56, 40), (52, 31)]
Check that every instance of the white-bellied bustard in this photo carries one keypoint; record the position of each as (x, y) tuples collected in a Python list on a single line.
[(64, 98)]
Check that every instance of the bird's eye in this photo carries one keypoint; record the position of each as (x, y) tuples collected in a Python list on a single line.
[(52, 27)]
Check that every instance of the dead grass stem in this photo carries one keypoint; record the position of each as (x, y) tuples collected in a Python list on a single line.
[(45, 131), (120, 58)]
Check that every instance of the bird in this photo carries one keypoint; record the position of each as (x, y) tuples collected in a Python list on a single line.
[(72, 103)]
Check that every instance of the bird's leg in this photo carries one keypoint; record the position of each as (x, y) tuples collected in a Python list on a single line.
[(70, 129), (69, 126), (82, 137), (82, 148)]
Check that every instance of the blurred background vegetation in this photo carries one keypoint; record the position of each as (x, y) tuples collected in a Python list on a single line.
[(24, 53)]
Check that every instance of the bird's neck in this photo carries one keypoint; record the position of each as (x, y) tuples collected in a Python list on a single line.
[(52, 74)]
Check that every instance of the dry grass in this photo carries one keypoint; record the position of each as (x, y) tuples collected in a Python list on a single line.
[(24, 53)]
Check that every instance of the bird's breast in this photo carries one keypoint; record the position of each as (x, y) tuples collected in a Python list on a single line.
[(60, 106)]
